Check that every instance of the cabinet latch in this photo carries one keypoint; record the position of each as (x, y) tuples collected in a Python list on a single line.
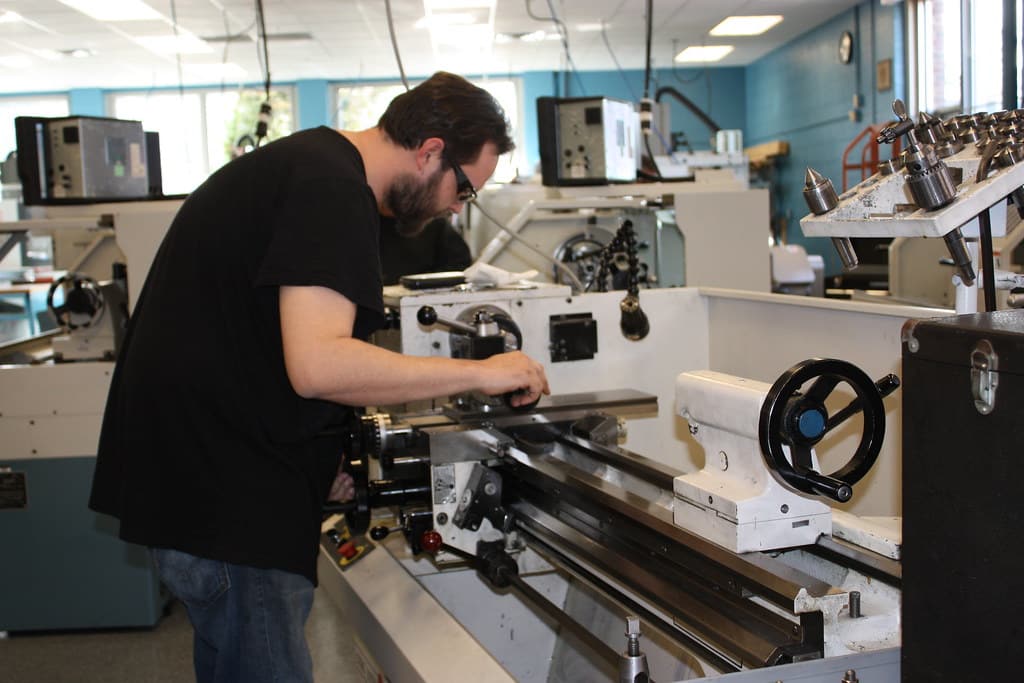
[(984, 376)]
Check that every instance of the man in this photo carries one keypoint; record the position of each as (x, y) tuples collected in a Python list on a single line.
[(247, 343)]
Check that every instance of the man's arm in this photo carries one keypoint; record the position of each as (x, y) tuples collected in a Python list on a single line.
[(324, 361)]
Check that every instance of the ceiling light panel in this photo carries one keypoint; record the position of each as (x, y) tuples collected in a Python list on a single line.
[(704, 53), (114, 10), (746, 26)]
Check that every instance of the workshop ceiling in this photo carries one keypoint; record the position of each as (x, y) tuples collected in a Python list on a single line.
[(349, 39)]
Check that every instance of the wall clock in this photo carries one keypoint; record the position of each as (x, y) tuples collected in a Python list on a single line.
[(846, 47)]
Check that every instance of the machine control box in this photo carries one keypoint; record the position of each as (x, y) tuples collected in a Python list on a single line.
[(81, 159), (588, 141)]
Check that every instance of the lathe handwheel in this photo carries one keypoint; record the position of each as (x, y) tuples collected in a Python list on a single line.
[(357, 516), (800, 420), (83, 301)]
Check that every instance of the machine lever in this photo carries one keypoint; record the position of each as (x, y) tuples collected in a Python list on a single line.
[(428, 317)]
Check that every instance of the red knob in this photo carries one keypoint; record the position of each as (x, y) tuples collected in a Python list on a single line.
[(348, 550), (431, 541)]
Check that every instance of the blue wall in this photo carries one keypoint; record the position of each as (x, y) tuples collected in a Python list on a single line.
[(313, 104), (803, 94), (87, 102)]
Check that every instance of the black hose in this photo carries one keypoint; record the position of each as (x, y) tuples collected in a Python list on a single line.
[(988, 275), (697, 111), (647, 59)]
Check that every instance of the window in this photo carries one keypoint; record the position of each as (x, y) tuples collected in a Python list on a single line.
[(12, 107), (358, 107), (959, 55), (200, 130)]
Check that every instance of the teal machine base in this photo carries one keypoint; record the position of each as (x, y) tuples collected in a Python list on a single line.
[(62, 566)]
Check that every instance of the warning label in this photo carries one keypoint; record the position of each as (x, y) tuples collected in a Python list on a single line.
[(13, 492)]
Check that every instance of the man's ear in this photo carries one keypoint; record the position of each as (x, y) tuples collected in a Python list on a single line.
[(429, 150)]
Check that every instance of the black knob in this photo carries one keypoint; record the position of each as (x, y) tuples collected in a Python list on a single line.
[(426, 316), (379, 533)]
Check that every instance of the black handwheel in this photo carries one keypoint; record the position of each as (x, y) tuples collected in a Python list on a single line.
[(357, 516), (362, 441), (800, 420), (83, 302)]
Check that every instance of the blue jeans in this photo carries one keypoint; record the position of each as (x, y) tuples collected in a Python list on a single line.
[(248, 622)]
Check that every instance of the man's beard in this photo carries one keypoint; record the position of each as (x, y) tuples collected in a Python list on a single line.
[(413, 203)]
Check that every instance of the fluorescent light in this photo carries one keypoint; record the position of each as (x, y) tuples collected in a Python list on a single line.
[(746, 26), (182, 44), (15, 61), (704, 53), (589, 28), (114, 10), (534, 37)]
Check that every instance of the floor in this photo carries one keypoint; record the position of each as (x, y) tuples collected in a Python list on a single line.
[(162, 654)]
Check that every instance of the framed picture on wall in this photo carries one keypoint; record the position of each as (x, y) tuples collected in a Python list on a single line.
[(883, 75)]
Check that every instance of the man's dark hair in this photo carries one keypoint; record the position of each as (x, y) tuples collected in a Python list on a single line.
[(449, 107)]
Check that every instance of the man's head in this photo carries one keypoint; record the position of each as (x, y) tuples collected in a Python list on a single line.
[(458, 131), (449, 107)]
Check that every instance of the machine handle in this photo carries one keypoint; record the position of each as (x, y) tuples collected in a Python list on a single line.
[(428, 317), (827, 486)]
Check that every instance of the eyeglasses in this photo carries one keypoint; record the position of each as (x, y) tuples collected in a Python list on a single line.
[(465, 192)]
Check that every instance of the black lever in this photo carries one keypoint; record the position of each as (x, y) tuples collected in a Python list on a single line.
[(428, 317)]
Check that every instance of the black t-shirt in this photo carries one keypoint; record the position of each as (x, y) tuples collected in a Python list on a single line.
[(205, 446), (437, 248)]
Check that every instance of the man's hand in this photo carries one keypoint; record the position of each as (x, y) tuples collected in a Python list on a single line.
[(343, 489), (514, 372)]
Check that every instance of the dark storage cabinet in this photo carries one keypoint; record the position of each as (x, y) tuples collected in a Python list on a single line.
[(963, 463)]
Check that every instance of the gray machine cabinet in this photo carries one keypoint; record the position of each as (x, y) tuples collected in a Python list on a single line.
[(963, 568), (62, 566)]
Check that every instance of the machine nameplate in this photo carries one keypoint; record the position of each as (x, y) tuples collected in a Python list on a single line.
[(444, 484), (13, 490)]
